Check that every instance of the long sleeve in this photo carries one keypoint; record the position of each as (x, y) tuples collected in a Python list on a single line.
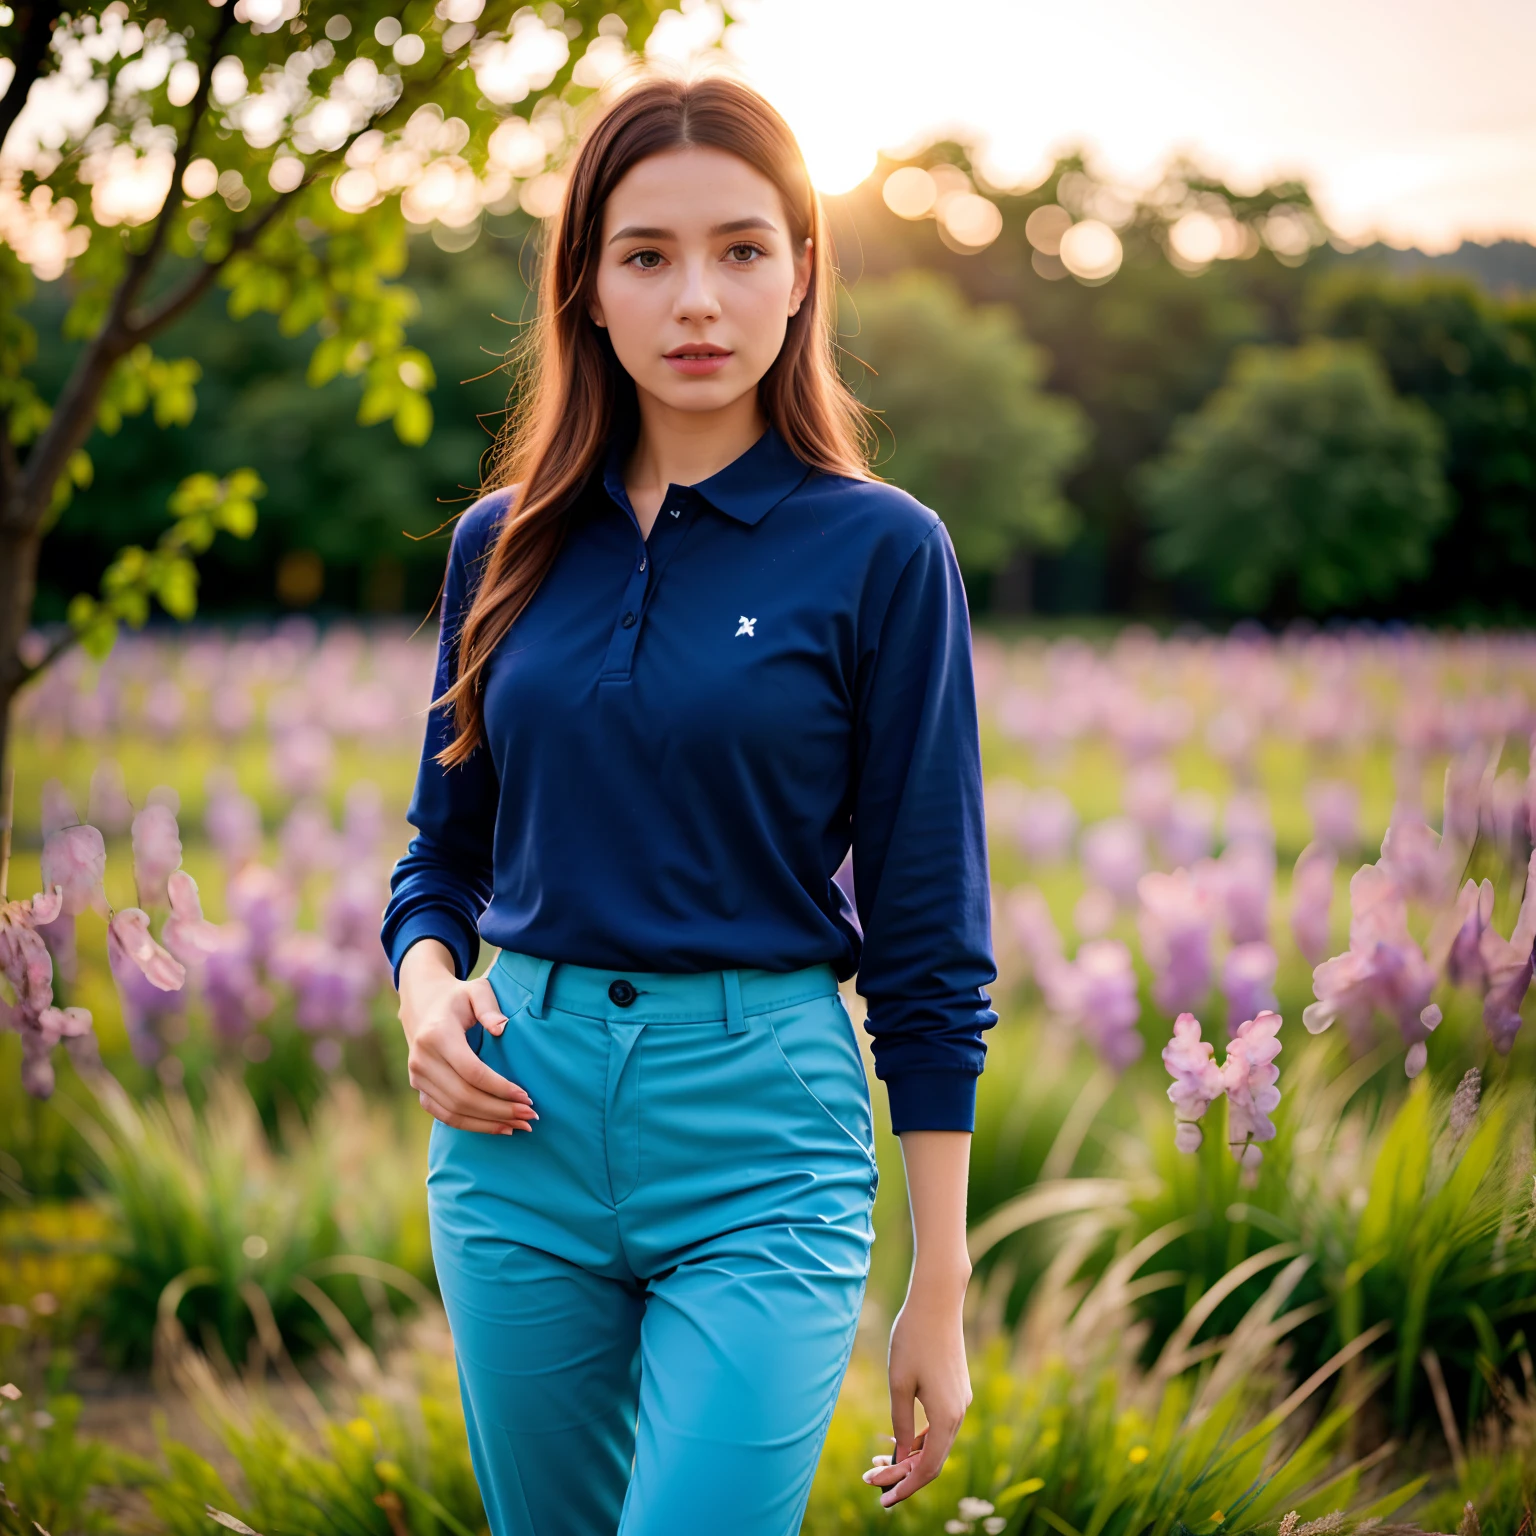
[(919, 850), (443, 883)]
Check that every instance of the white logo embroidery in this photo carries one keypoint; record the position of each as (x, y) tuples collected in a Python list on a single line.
[(747, 627)]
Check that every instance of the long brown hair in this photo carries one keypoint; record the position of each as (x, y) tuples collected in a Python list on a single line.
[(572, 386)]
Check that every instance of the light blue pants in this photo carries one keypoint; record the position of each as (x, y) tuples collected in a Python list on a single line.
[(653, 1295)]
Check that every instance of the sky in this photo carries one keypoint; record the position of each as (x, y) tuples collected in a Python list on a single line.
[(1412, 120)]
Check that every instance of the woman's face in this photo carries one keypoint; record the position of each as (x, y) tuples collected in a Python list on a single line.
[(696, 278)]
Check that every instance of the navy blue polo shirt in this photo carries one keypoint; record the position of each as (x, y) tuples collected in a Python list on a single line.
[(686, 732)]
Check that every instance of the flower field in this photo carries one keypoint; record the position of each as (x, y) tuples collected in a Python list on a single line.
[(1253, 1190)]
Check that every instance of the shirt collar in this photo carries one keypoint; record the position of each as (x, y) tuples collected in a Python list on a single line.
[(748, 488)]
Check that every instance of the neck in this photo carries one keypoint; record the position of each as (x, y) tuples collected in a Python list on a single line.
[(684, 447)]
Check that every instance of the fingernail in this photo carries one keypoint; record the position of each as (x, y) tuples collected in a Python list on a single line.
[(532, 1114), (499, 1019)]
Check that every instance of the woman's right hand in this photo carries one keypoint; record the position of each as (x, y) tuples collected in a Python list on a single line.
[(453, 1084)]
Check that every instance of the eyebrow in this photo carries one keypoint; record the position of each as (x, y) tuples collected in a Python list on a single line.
[(649, 232)]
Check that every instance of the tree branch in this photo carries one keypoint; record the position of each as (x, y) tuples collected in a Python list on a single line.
[(142, 326), (36, 27), (74, 412), (63, 643)]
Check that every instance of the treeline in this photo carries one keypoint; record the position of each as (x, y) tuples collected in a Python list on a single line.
[(1221, 413)]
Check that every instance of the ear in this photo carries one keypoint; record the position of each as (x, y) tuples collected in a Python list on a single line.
[(595, 309), (802, 284)]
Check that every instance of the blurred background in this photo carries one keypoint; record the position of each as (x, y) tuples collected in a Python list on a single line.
[(1171, 315)]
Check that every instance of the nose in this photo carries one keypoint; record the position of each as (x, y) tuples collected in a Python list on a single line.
[(697, 298)]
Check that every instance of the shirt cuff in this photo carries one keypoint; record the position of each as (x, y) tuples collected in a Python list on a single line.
[(932, 1101), (442, 925)]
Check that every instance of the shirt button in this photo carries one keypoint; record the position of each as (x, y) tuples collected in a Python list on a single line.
[(622, 992), (628, 621)]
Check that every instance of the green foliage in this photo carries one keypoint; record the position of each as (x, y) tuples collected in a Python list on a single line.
[(201, 506), (975, 437), (1397, 1222), (1067, 1438), (1302, 482), (49, 1471), (1472, 361), (210, 1225)]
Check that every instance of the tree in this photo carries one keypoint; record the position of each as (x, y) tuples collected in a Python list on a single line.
[(276, 148), (1472, 361), (975, 437), (1304, 481), (1135, 349)]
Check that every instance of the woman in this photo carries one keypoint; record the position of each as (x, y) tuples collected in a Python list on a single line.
[(688, 653)]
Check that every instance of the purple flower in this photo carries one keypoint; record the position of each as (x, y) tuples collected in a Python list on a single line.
[(1148, 795), (331, 986), (1097, 993), (1114, 855), (265, 902), (1246, 821), (307, 841), (1247, 877), (1507, 964), (1196, 1080), (156, 851), (302, 759), (109, 807), (236, 997), (1033, 928), (1248, 1076), (1335, 809), (1383, 967), (1189, 832), (1044, 825), (232, 820), (1312, 899), (1176, 923), (1248, 981), (1418, 862)]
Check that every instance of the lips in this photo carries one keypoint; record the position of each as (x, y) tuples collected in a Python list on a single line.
[(697, 359)]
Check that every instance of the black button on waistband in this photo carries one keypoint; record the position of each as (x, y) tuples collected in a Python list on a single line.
[(628, 621), (622, 992)]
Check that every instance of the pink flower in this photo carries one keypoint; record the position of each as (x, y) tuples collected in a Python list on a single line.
[(1508, 967), (1248, 980), (109, 807), (236, 997), (1097, 993), (1196, 1080), (187, 933), (75, 859), (1114, 854), (1312, 899), (1044, 825), (265, 902), (1033, 928), (331, 986), (1335, 809), (1455, 942), (1247, 876), (1190, 828), (1248, 1076), (156, 851), (129, 931), (232, 821), (1382, 969), (1176, 923), (1419, 864), (28, 967)]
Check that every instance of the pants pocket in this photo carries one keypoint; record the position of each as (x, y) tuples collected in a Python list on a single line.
[(817, 1047)]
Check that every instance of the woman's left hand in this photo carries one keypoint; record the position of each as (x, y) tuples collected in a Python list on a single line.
[(927, 1365)]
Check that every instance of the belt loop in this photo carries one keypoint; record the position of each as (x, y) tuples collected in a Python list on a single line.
[(540, 988), (735, 1019)]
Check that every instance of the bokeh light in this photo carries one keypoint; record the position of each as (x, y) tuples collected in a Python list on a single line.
[(1091, 251)]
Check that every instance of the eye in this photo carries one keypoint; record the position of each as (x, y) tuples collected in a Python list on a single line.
[(751, 250), (633, 259)]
